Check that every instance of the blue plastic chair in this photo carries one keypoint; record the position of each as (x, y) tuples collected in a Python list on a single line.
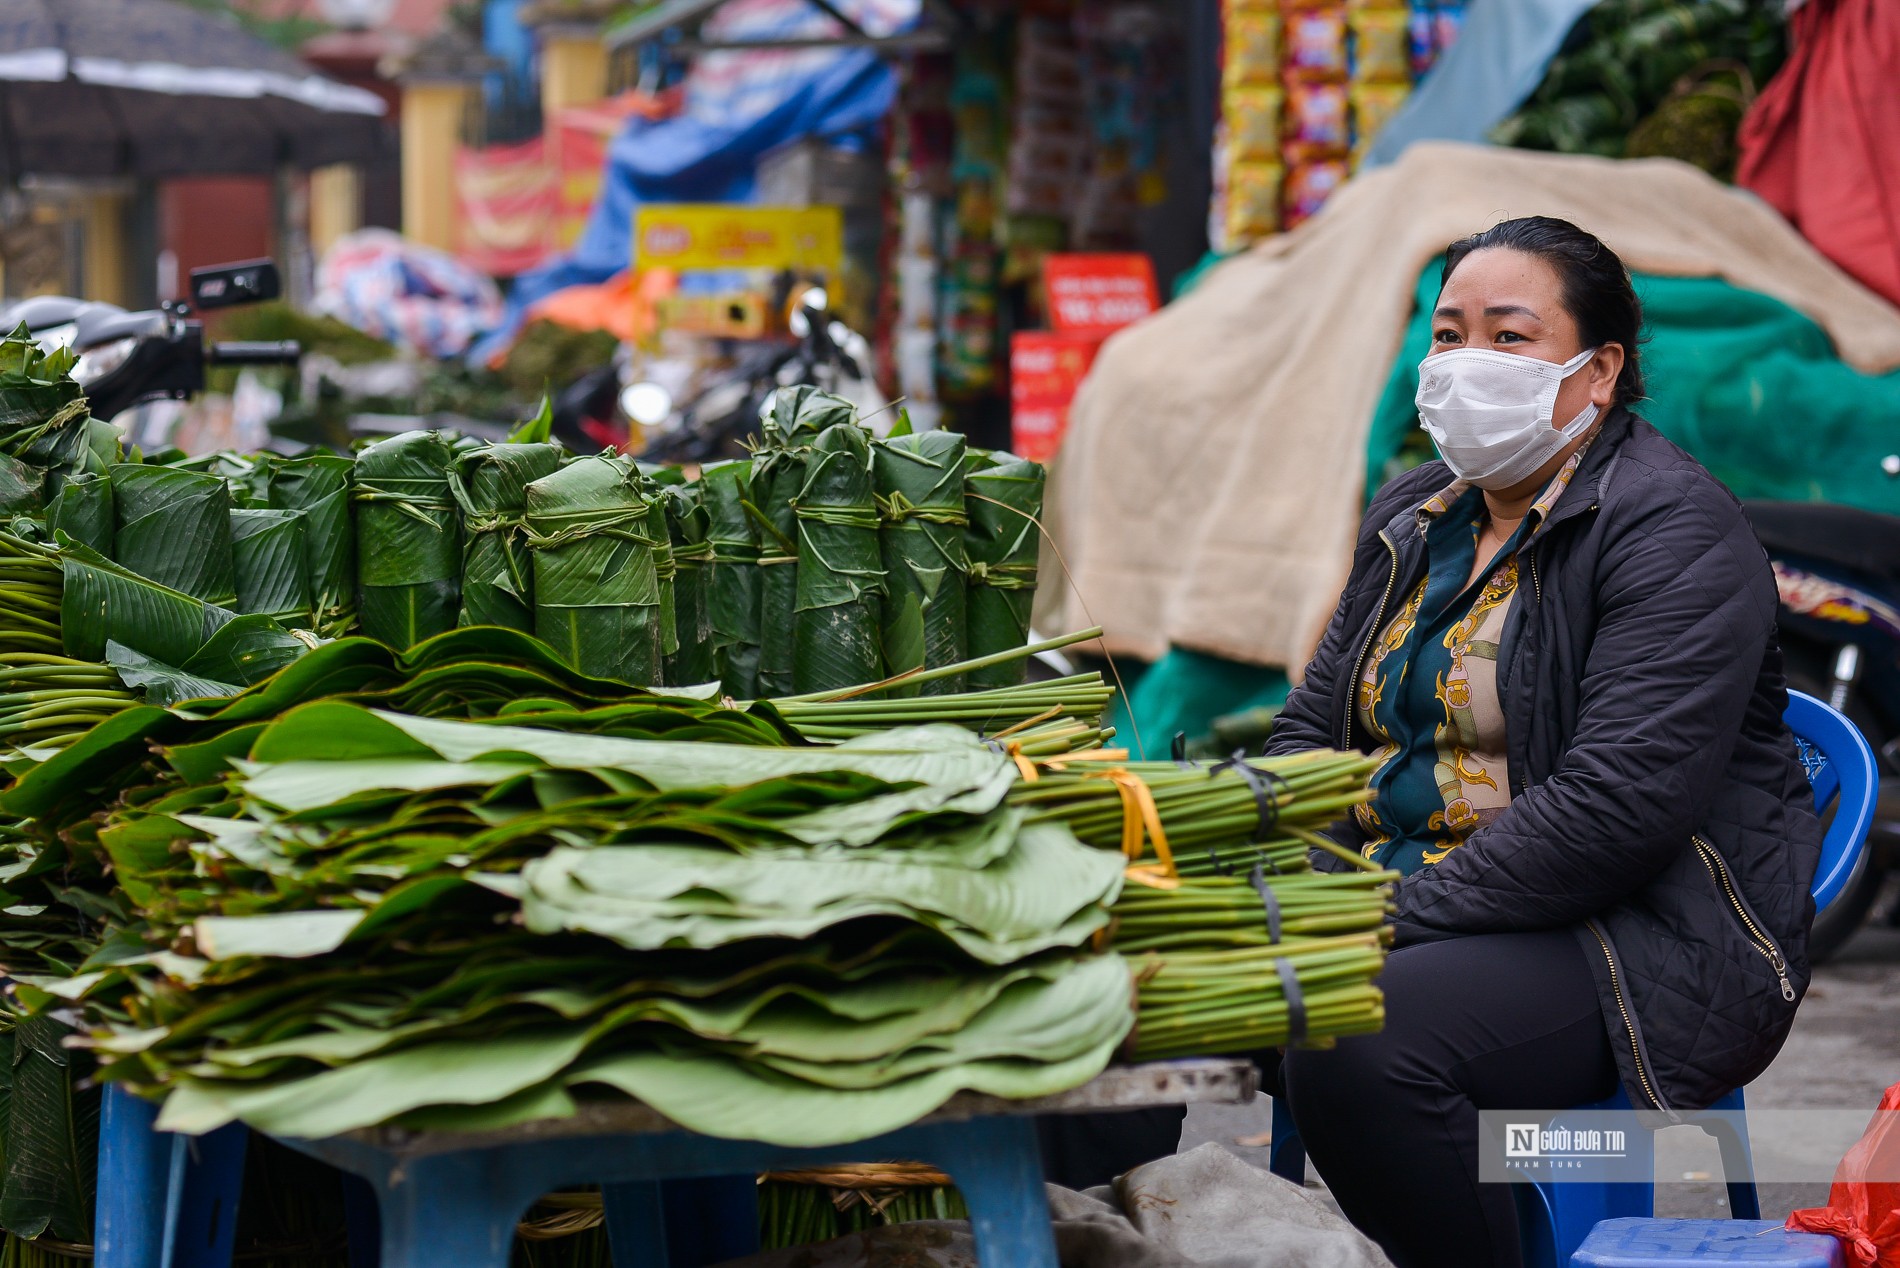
[(1554, 1219)]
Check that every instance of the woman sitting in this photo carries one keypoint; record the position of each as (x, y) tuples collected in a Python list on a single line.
[(1561, 641)]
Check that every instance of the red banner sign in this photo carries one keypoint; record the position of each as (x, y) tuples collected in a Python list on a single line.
[(1099, 294), (1045, 369)]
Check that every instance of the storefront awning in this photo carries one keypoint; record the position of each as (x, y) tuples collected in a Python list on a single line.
[(686, 16)]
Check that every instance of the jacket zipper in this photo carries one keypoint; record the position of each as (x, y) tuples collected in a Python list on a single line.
[(1359, 665), (1629, 1022), (1718, 871)]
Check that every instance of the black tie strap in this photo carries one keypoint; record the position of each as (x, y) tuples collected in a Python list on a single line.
[(1295, 1002), (1268, 899), (1266, 788)]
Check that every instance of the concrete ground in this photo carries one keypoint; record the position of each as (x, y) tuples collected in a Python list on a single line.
[(1804, 1111)]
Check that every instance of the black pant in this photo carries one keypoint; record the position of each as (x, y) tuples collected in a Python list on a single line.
[(1495, 1022)]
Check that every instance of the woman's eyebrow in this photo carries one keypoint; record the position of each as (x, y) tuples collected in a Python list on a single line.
[(1448, 311), (1509, 310)]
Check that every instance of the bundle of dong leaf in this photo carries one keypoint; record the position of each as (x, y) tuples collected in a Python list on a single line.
[(374, 917)]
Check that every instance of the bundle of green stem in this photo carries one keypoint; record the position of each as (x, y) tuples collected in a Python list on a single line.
[(798, 1208), (30, 590), (1036, 719), (48, 701), (1226, 912), (1211, 817), (1209, 1002), (1079, 697)]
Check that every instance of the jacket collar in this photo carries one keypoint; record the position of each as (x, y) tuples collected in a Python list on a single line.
[(1579, 496)]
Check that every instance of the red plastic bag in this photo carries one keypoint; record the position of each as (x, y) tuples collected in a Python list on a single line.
[(1822, 143), (1863, 1207)]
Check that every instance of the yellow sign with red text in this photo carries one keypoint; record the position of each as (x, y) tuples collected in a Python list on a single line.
[(697, 236)]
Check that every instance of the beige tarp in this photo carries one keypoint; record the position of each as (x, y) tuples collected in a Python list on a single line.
[(1210, 486)]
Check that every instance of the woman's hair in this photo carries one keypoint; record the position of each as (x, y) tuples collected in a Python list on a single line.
[(1597, 290)]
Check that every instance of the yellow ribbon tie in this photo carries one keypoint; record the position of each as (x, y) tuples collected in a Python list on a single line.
[(1141, 816)]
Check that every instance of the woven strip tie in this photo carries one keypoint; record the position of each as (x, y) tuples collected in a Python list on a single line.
[(1140, 815)]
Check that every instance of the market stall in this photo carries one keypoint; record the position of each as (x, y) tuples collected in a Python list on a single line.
[(454, 787)]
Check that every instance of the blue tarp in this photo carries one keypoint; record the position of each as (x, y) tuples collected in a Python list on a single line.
[(1502, 52), (689, 158)]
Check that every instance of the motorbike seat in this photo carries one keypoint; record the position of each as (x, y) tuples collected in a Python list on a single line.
[(1865, 542), (40, 312)]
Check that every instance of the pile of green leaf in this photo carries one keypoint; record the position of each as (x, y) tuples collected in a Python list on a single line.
[(1642, 78), (371, 917)]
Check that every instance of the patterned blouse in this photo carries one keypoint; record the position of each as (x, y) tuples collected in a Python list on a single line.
[(1429, 692)]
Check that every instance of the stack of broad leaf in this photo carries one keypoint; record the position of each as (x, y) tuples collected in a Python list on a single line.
[(375, 917), (1238, 944)]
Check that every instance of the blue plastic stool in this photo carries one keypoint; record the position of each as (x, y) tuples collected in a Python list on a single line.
[(164, 1201), (458, 1208), (1554, 1219), (1671, 1243)]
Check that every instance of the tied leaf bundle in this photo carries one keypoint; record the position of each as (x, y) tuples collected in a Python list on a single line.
[(835, 639), (790, 421), (409, 556), (732, 591), (1004, 499), (319, 486), (919, 484), (596, 575), (269, 553), (44, 423), (490, 484), (173, 527), (690, 527)]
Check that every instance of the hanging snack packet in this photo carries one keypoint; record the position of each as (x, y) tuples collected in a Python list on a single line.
[(1309, 185), (1316, 45), (1316, 121), (1373, 106), (1253, 49), (1381, 46), (1253, 123), (1253, 201)]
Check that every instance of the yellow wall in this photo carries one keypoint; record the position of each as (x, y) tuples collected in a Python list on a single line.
[(105, 263), (573, 69), (336, 205), (432, 116)]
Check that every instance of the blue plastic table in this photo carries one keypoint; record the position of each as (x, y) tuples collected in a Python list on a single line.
[(450, 1198)]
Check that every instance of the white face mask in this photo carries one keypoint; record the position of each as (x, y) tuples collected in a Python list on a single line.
[(1490, 412)]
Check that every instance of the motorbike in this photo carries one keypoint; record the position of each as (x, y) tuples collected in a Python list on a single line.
[(718, 419), (1837, 570), (127, 359)]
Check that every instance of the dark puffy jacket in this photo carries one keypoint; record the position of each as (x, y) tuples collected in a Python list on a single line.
[(1658, 808)]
